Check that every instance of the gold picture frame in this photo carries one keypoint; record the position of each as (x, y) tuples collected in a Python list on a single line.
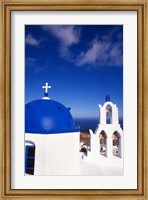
[(6, 6)]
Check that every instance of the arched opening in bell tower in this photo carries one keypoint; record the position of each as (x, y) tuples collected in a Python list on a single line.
[(103, 143), (116, 144), (108, 114)]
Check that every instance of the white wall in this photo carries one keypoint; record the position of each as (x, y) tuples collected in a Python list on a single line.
[(56, 154)]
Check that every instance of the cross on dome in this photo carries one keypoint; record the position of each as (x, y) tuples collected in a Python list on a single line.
[(46, 87)]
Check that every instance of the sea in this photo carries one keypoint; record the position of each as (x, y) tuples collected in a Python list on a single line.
[(86, 124)]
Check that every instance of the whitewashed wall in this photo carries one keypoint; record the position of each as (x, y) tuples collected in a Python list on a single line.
[(56, 154)]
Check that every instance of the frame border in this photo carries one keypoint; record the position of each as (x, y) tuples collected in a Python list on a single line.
[(6, 6)]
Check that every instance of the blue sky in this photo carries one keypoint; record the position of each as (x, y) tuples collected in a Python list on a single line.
[(82, 63)]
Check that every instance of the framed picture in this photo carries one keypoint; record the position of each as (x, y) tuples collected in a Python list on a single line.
[(73, 99)]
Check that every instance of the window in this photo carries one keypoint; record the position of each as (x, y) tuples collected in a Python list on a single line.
[(29, 159)]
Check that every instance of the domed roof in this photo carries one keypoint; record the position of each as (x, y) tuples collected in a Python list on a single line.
[(47, 116)]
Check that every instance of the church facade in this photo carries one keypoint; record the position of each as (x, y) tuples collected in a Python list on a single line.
[(52, 140)]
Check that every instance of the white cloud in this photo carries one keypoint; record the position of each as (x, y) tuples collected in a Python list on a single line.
[(67, 36), (116, 57), (97, 51), (102, 52), (30, 40), (90, 56)]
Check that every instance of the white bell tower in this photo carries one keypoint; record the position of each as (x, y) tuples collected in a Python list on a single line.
[(107, 141)]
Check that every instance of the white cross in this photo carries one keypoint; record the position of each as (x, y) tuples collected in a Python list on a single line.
[(46, 87)]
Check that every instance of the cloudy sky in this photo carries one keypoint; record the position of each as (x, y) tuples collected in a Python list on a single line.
[(82, 63)]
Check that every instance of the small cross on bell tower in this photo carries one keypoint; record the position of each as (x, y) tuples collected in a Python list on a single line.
[(46, 87)]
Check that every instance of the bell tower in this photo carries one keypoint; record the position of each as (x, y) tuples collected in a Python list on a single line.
[(107, 141)]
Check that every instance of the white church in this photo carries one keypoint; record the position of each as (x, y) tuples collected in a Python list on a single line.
[(52, 141)]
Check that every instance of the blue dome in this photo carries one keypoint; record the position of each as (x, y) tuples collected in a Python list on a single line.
[(47, 117)]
